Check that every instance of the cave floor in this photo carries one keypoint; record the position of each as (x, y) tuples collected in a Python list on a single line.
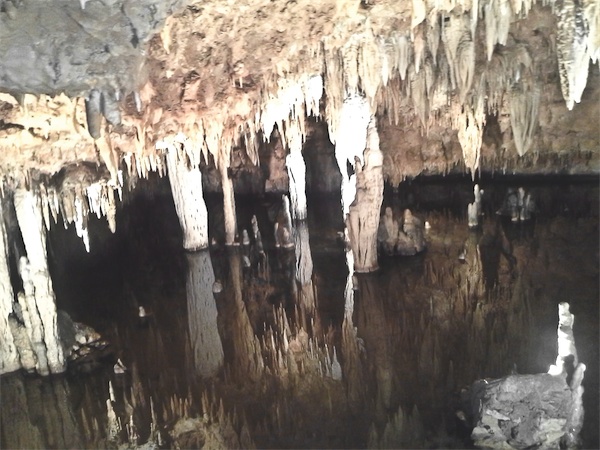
[(426, 325)]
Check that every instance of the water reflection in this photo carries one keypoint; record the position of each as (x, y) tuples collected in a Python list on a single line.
[(408, 338), (202, 315)]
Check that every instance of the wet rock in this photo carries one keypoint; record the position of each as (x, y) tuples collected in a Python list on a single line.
[(522, 411)]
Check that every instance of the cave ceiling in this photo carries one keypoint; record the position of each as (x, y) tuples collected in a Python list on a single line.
[(481, 84)]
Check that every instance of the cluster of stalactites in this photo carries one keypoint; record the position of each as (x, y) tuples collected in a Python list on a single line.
[(77, 200)]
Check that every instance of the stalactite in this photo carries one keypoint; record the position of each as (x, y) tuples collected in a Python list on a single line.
[(351, 140), (9, 356), (369, 65), (37, 284), (469, 122), (334, 88), (572, 51), (296, 171), (419, 46), (592, 15), (524, 116), (404, 55), (498, 16), (460, 52), (433, 35), (350, 65)]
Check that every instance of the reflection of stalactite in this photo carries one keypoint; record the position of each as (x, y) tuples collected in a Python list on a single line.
[(304, 269), (202, 314)]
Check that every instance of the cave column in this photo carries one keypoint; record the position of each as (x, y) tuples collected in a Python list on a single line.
[(357, 142), (228, 199), (363, 217), (38, 300), (9, 357), (186, 186), (296, 168)]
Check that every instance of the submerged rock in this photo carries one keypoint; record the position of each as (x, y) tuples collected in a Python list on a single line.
[(518, 204), (405, 237)]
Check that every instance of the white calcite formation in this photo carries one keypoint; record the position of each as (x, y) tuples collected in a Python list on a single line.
[(363, 218), (202, 315), (228, 203), (474, 209), (186, 187), (37, 301), (9, 356)]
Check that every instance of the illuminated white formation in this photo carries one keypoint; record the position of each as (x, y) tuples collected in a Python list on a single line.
[(364, 213), (350, 143), (38, 300), (186, 186)]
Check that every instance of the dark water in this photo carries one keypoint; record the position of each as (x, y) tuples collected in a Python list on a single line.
[(426, 325)]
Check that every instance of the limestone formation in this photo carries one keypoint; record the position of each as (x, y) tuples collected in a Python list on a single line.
[(474, 211), (37, 301), (363, 214), (186, 186)]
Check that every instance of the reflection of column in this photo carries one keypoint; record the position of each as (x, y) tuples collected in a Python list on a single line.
[(372, 323), (9, 358), (38, 299), (304, 268), (186, 186), (297, 176), (202, 314)]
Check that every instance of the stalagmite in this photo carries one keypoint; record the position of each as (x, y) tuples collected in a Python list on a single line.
[(186, 186), (202, 315), (38, 294), (9, 357), (474, 209), (363, 218)]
